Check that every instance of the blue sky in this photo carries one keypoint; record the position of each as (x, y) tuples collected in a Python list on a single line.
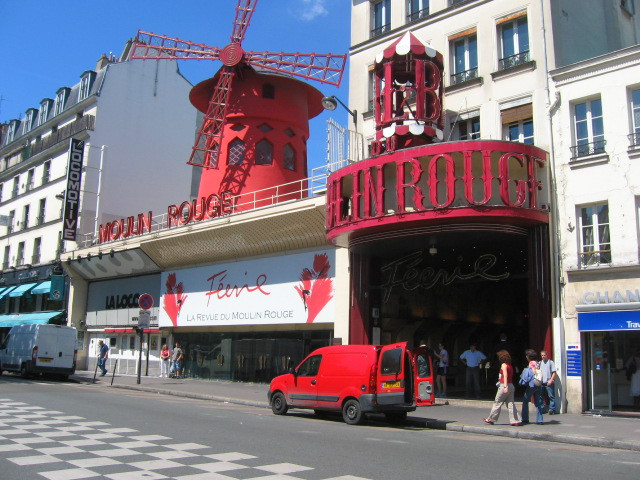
[(47, 44)]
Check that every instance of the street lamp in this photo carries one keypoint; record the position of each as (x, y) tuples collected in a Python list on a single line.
[(331, 103)]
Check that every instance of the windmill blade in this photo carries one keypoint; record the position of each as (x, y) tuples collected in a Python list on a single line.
[(152, 46), (244, 11), (325, 68), (207, 147)]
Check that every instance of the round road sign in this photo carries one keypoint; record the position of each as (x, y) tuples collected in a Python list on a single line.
[(145, 301)]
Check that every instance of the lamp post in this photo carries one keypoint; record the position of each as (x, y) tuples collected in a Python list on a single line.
[(331, 103)]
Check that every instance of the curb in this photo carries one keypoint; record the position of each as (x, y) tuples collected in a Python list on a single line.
[(428, 423)]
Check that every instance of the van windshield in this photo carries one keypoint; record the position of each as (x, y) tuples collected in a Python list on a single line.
[(391, 362)]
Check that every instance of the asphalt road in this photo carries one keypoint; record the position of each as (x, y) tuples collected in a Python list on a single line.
[(62, 431)]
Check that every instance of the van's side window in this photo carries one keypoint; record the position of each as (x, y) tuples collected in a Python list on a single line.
[(391, 362), (5, 342), (310, 367)]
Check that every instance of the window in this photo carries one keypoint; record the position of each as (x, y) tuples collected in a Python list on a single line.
[(41, 211), (380, 18), (371, 90), (20, 255), (589, 129), (310, 367), (85, 85), (468, 129), (61, 97), (465, 59), (417, 9), (595, 238), (30, 175), (46, 172), (289, 158), (514, 43), (236, 152), (635, 114), (521, 131), (517, 122), (16, 186), (5, 260), (12, 216), (264, 153), (11, 131), (1, 192), (28, 121), (25, 217), (391, 363), (37, 246), (44, 111)]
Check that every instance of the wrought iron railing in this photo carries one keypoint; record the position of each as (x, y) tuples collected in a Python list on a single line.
[(376, 32), (586, 149), (418, 14), (634, 139), (513, 60), (595, 257), (461, 77)]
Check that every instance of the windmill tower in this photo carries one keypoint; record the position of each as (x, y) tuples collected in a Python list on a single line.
[(257, 113)]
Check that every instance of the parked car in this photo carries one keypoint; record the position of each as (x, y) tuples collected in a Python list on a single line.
[(35, 349), (356, 380)]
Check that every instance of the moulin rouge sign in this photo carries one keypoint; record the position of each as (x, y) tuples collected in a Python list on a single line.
[(453, 180), (188, 211)]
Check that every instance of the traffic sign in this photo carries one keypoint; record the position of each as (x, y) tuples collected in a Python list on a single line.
[(145, 301), (144, 319)]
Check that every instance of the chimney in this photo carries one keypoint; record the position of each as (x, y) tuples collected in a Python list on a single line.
[(102, 62), (127, 50)]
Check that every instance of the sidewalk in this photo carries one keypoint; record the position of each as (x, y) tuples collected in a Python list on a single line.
[(458, 415)]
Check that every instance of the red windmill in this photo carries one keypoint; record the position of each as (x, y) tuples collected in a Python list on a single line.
[(234, 93)]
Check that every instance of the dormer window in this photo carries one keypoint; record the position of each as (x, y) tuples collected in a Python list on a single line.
[(85, 84), (11, 131), (61, 97), (45, 105), (28, 120)]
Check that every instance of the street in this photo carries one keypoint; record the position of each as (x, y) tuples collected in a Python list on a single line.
[(64, 431)]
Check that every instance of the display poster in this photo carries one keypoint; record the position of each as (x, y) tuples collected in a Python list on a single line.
[(285, 289)]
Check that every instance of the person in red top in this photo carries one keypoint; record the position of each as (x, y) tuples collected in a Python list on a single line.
[(505, 394)]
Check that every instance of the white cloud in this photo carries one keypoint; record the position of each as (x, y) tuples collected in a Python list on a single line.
[(312, 9)]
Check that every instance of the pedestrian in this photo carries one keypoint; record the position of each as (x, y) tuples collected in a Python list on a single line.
[(473, 360), (549, 375), (165, 357), (532, 391), (177, 358), (505, 394), (633, 375), (441, 372), (103, 354)]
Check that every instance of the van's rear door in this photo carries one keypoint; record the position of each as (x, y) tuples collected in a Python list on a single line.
[(391, 374), (47, 343), (65, 348), (424, 376)]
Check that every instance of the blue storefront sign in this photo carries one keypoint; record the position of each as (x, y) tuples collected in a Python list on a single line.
[(574, 360), (617, 320)]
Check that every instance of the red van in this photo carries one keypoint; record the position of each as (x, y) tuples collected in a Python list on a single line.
[(358, 379)]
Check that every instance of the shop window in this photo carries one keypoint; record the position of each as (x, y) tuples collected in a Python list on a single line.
[(635, 118), (264, 153), (380, 17), (289, 158), (595, 237), (588, 129), (236, 154), (513, 34), (464, 53)]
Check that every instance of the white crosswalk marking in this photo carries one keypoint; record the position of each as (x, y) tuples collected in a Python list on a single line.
[(69, 447)]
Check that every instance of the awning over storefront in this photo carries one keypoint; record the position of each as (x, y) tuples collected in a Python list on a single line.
[(31, 319), (5, 291), (43, 287), (21, 289)]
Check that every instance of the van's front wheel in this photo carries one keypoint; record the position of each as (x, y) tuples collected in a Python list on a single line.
[(352, 412), (279, 404)]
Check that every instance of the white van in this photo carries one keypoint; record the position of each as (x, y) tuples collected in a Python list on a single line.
[(35, 349)]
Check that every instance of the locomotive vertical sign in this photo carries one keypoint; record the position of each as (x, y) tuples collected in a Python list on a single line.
[(72, 192)]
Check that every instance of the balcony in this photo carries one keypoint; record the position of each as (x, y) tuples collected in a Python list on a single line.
[(513, 60), (376, 32), (634, 140), (587, 149), (461, 77), (417, 15)]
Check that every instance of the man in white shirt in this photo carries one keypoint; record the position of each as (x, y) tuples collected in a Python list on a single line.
[(549, 375), (473, 359)]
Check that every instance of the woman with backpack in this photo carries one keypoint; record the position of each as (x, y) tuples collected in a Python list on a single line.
[(531, 378)]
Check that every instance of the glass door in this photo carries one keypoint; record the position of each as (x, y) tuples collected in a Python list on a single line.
[(600, 371)]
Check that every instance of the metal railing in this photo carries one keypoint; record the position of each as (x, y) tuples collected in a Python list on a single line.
[(586, 149), (376, 32), (513, 60), (634, 139), (461, 77), (595, 258), (418, 14)]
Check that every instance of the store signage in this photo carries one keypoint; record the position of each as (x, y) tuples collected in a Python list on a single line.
[(127, 300), (607, 321), (281, 290), (72, 193), (606, 297), (574, 360), (212, 206)]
